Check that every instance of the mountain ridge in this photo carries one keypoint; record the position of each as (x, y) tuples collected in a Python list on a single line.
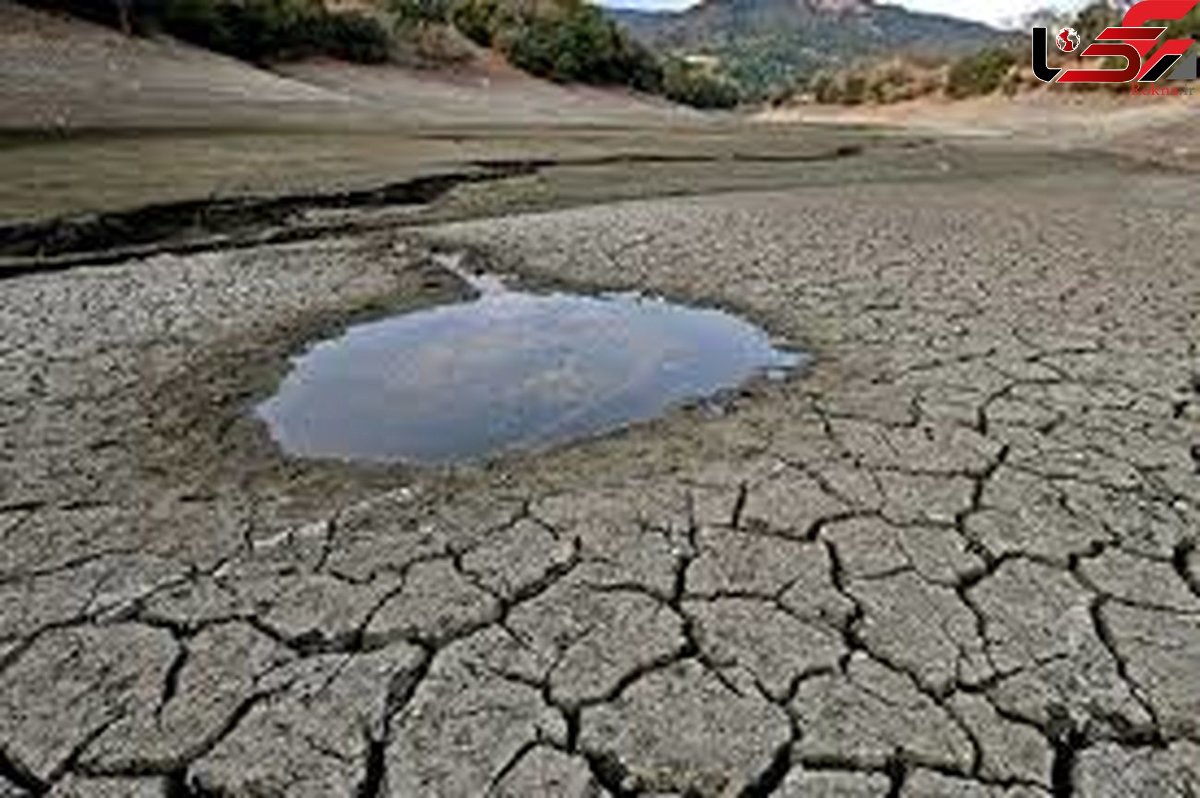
[(766, 44)]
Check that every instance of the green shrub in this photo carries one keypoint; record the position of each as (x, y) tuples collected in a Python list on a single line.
[(354, 36), (254, 30), (892, 81), (854, 89), (981, 73), (202, 22), (697, 87), (413, 12), (579, 45), (477, 19), (563, 40), (106, 12), (824, 87), (566, 41)]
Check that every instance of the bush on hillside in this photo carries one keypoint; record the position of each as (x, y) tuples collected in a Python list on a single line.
[(478, 20), (981, 73), (996, 68), (254, 30), (258, 30), (563, 40), (901, 79), (823, 87), (420, 12), (854, 89), (353, 36), (697, 87), (845, 88), (566, 40)]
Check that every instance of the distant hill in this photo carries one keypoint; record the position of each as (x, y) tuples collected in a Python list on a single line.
[(770, 43)]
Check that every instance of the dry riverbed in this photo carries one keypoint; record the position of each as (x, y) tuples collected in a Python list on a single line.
[(956, 557)]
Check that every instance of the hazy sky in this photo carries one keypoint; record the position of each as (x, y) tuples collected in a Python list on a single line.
[(997, 12)]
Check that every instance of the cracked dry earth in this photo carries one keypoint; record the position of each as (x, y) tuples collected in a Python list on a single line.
[(956, 558)]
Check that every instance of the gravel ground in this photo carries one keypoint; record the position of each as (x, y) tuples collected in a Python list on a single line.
[(955, 558)]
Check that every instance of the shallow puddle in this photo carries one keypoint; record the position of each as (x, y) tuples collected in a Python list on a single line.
[(509, 370)]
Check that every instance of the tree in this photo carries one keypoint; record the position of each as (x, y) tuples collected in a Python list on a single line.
[(981, 73), (419, 12)]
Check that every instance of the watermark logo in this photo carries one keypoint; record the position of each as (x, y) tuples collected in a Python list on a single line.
[(1067, 40), (1139, 50)]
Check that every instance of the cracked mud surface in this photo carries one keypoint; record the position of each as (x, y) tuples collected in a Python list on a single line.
[(957, 558)]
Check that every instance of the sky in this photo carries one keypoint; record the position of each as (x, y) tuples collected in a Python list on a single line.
[(1002, 13)]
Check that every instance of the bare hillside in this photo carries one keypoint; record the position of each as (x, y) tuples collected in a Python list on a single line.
[(58, 73), (1155, 129)]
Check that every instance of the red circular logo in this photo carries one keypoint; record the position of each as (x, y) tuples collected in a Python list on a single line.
[(1067, 40)]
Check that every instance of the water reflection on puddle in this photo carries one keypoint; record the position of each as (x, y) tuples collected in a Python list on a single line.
[(509, 370)]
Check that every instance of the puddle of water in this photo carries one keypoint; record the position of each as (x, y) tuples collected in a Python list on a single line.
[(509, 370)]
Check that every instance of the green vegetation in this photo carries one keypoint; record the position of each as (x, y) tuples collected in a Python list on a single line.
[(1100, 14), (768, 46), (563, 40), (1189, 26), (902, 79), (990, 69), (889, 81), (981, 73), (699, 87), (263, 29), (253, 30), (573, 41), (415, 13)]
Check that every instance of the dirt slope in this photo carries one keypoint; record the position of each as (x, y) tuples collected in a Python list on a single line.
[(61, 73), (1052, 116)]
